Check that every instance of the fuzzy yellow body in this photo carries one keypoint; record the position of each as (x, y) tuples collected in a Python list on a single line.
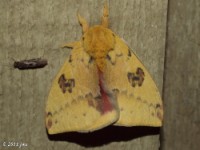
[(97, 42), (102, 82)]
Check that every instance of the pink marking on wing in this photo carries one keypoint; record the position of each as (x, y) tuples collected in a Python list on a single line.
[(106, 104)]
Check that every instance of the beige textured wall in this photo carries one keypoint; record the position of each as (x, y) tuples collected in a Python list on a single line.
[(181, 129), (32, 29)]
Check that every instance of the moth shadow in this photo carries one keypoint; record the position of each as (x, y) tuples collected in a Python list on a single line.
[(106, 135)]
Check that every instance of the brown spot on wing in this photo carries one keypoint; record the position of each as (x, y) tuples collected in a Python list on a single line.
[(91, 103), (66, 84), (49, 120), (49, 123), (159, 109), (158, 106), (70, 59), (61, 82), (129, 53), (131, 79), (140, 74), (48, 114), (95, 102), (99, 107), (115, 91), (136, 78), (159, 115), (89, 96)]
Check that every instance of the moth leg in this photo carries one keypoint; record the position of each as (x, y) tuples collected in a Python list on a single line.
[(83, 23), (105, 15), (72, 44)]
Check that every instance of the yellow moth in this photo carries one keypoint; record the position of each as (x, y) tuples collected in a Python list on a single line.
[(101, 83)]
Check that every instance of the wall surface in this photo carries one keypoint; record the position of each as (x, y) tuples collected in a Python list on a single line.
[(181, 83), (33, 29)]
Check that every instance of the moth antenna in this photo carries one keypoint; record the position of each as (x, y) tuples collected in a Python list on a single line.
[(83, 23), (105, 21)]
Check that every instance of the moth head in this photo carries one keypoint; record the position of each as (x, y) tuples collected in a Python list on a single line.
[(98, 40)]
